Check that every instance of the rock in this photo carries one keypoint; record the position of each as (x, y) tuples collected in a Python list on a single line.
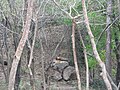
[(68, 71), (59, 65), (57, 76)]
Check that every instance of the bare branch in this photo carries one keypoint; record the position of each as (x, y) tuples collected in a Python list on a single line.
[(106, 29), (58, 45), (9, 29), (62, 9)]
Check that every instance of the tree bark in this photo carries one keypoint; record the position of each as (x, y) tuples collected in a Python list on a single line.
[(117, 51), (17, 79), (108, 37)]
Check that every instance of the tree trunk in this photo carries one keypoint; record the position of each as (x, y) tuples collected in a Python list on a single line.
[(117, 57), (30, 41), (7, 24), (21, 45), (118, 73), (17, 79), (96, 54), (117, 43), (74, 55), (108, 37)]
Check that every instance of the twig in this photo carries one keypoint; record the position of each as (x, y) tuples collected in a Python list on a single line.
[(100, 3), (69, 14), (62, 9), (9, 29), (106, 29), (55, 50)]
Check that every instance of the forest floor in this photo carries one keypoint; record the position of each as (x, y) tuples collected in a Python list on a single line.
[(53, 85)]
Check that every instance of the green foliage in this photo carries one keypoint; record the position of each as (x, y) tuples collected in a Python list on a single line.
[(96, 24), (102, 55), (92, 62), (92, 14), (98, 84), (76, 10), (65, 21), (113, 72), (96, 17), (79, 6)]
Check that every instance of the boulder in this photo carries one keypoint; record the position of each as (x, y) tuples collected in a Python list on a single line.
[(59, 65), (57, 76), (68, 71)]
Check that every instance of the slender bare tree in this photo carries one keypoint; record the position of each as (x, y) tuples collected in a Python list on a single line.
[(86, 60), (116, 33), (108, 36), (74, 54), (96, 54), (20, 46)]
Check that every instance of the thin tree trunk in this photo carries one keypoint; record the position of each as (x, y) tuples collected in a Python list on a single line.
[(17, 79), (86, 61), (102, 65), (117, 43), (118, 1), (25, 11), (108, 37), (7, 24), (16, 41), (2, 62), (43, 67), (30, 54), (21, 45), (74, 55), (117, 57), (44, 78)]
